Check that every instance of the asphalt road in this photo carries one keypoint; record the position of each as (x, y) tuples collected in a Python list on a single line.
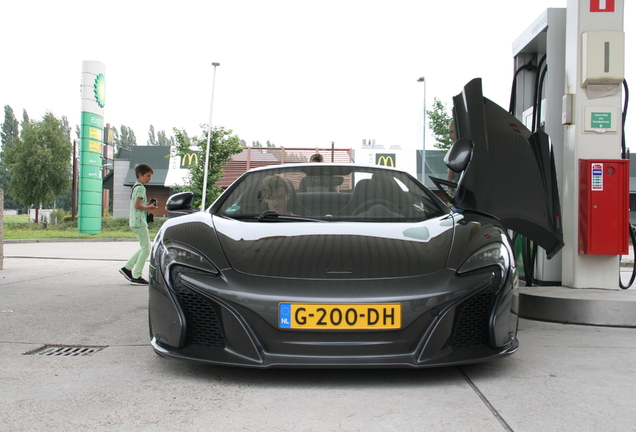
[(563, 378)]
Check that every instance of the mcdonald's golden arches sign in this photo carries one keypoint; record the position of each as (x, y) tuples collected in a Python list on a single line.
[(189, 159), (386, 159)]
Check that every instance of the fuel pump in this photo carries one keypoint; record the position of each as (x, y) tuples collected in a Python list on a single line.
[(604, 226), (535, 99), (569, 70), (625, 155)]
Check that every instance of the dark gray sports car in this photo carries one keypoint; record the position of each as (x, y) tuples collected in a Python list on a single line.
[(343, 265)]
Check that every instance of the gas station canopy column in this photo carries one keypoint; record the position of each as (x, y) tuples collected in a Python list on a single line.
[(594, 74), (569, 76)]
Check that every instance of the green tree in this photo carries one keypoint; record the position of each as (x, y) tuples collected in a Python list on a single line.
[(125, 138), (66, 128), (64, 201), (163, 140), (40, 162), (223, 145), (438, 121), (10, 131), (128, 136), (10, 128), (269, 144), (152, 139), (5, 180), (182, 137), (25, 118)]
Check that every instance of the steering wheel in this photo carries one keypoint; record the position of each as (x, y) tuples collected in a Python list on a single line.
[(376, 201)]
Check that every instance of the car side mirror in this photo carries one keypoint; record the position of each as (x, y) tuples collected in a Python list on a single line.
[(180, 202), (459, 155)]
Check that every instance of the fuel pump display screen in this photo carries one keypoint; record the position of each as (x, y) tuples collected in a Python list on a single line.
[(597, 177)]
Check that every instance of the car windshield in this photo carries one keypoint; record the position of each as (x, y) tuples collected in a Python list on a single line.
[(327, 192)]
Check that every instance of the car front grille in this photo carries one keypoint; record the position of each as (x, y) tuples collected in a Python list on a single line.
[(202, 324), (473, 325)]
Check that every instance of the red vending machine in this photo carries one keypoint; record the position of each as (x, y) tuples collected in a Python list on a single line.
[(604, 206)]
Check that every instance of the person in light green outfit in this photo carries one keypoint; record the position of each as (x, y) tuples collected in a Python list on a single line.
[(139, 224)]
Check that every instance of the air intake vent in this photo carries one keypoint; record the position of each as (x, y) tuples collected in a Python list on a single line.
[(472, 326), (203, 326)]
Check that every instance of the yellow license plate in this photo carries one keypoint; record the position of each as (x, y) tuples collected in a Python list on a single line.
[(311, 316)]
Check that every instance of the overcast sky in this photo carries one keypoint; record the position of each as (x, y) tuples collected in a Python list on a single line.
[(297, 73)]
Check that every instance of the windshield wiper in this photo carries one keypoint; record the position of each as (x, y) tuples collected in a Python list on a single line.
[(267, 214), (271, 215)]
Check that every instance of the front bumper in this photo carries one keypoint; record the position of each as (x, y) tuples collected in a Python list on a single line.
[(202, 317)]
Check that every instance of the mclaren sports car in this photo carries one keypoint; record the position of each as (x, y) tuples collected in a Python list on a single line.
[(350, 265)]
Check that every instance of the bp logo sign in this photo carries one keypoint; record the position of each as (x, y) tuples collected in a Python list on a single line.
[(386, 159), (100, 90)]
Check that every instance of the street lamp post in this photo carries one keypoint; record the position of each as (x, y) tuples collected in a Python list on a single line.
[(207, 150), (423, 80), (423, 172)]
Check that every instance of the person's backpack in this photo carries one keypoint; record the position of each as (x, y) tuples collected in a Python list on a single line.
[(149, 216)]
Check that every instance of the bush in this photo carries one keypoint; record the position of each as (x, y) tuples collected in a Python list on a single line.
[(116, 228), (58, 215), (116, 224)]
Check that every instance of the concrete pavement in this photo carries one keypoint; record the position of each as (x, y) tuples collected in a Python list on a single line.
[(563, 378), (595, 306)]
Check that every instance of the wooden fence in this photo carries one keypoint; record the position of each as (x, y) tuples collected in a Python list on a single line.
[(254, 157)]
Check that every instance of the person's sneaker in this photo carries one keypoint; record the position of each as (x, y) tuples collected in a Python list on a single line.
[(126, 273), (138, 281)]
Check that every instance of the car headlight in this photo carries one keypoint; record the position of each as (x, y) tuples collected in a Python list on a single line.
[(493, 254), (171, 253)]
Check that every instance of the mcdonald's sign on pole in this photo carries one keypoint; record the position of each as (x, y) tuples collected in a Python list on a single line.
[(385, 159)]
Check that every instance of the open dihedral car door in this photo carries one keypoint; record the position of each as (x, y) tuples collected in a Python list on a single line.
[(506, 170)]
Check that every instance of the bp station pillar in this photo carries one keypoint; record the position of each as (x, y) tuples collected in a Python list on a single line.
[(91, 142)]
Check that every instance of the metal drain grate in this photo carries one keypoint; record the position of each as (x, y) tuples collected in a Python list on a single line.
[(65, 351)]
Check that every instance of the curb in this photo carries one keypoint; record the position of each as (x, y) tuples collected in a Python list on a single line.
[(69, 240)]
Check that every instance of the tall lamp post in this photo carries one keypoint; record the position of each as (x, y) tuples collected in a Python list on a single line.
[(423, 80), (423, 172), (207, 150)]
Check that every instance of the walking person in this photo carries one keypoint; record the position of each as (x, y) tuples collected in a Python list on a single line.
[(139, 224)]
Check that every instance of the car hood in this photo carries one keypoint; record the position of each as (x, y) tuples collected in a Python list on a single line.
[(506, 171), (336, 250)]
